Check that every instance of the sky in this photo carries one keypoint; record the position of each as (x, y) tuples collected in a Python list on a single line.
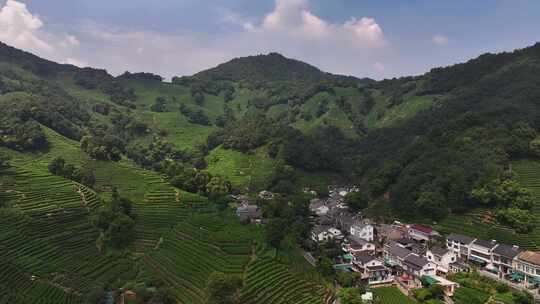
[(363, 38)]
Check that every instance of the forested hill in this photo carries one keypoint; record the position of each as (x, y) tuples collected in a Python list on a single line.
[(440, 142), (136, 173), (273, 67)]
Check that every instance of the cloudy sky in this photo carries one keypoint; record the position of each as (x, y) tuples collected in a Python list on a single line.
[(365, 38)]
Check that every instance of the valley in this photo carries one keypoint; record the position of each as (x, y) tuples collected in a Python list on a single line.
[(143, 202)]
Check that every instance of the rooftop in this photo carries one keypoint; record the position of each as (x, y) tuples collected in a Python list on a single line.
[(486, 243), (507, 250), (416, 260), (355, 241), (439, 251), (532, 257), (399, 251), (460, 238), (421, 228), (364, 258)]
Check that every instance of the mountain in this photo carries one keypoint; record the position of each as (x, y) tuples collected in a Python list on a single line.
[(272, 67), (123, 181)]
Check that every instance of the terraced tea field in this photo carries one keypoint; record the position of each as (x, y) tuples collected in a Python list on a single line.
[(391, 295), (196, 247), (267, 281), (48, 251), (46, 235)]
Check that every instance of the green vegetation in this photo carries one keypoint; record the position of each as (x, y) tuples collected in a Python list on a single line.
[(478, 289), (160, 159), (391, 295), (251, 170)]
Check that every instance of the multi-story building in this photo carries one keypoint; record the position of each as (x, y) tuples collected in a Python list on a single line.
[(372, 269), (459, 244), (419, 266), (422, 233), (503, 257), (480, 252), (527, 264), (355, 246), (362, 231), (394, 254), (442, 257)]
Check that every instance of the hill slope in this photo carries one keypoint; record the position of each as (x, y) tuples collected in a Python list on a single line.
[(421, 148)]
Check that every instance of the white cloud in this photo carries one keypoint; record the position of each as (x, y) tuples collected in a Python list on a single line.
[(440, 39), (18, 27), (366, 30), (22, 29), (293, 18)]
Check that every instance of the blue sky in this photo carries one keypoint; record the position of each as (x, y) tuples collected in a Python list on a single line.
[(378, 38)]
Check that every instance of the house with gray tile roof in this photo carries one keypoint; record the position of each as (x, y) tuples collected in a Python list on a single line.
[(419, 266), (459, 244), (442, 257), (503, 257)]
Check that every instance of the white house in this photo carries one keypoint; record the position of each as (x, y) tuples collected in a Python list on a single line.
[(459, 244), (362, 231), (480, 252), (419, 266), (355, 246), (527, 265), (503, 257), (422, 233), (371, 269), (442, 257), (325, 233), (394, 254), (318, 207)]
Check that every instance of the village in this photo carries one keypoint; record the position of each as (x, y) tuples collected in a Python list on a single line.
[(408, 256)]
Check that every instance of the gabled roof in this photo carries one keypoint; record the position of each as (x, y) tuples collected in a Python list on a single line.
[(364, 258), (252, 211), (486, 243), (421, 228), (439, 251), (460, 238), (355, 241), (530, 257), (405, 241), (416, 260), (507, 250), (398, 251)]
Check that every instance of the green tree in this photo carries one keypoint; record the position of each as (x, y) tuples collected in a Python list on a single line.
[(275, 231), (4, 162), (350, 296), (121, 231), (356, 201), (432, 204), (224, 289), (217, 187), (325, 267), (521, 220), (534, 146), (56, 166), (160, 105)]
